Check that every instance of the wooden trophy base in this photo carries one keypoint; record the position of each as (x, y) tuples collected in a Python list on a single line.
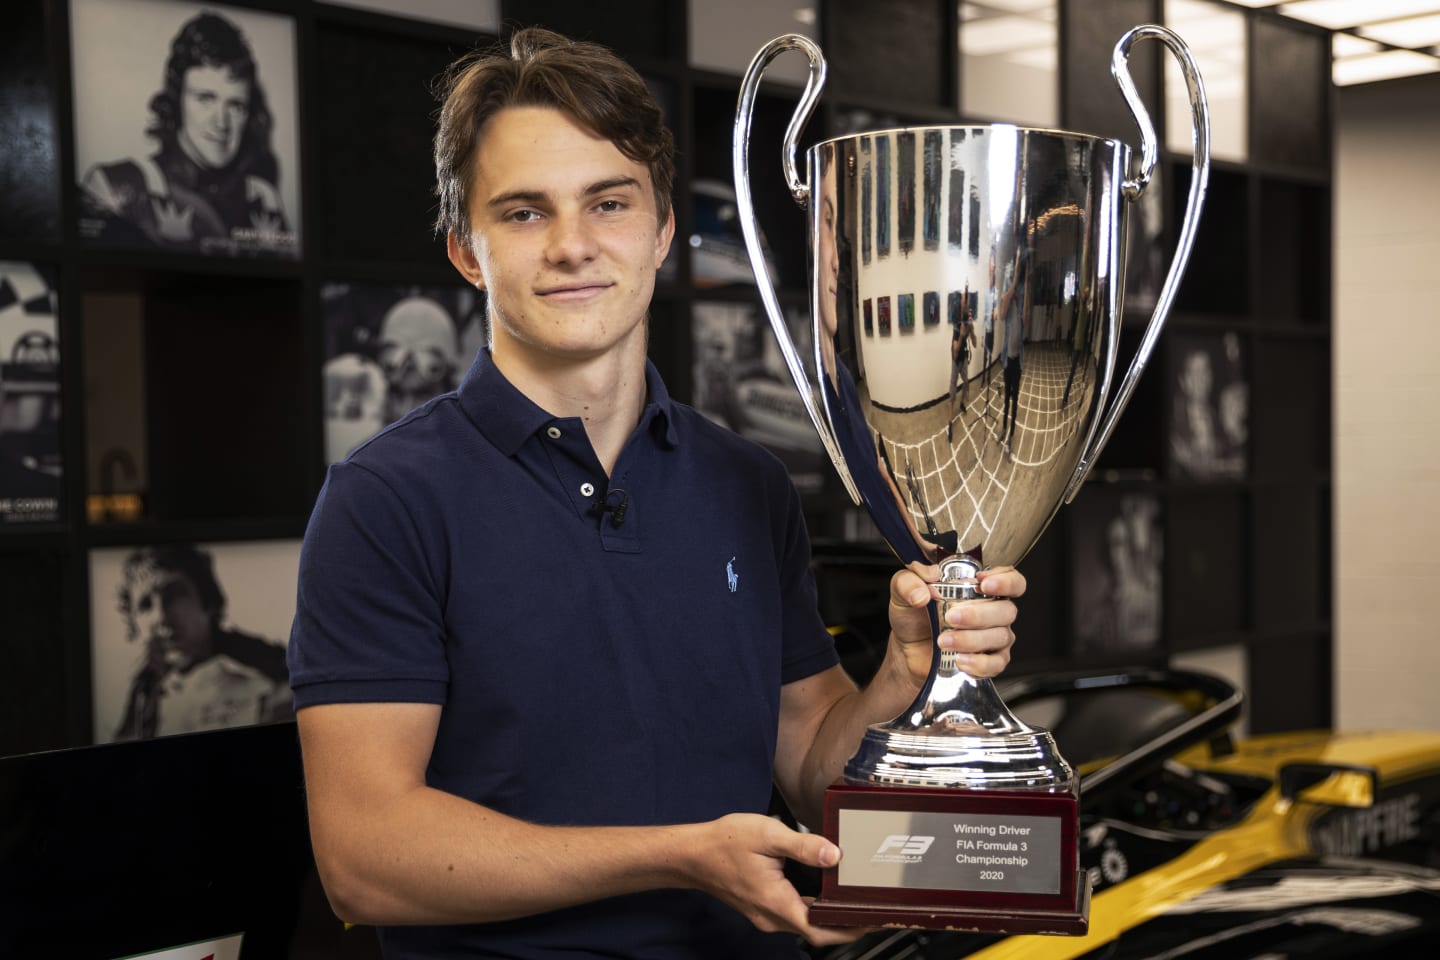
[(986, 861)]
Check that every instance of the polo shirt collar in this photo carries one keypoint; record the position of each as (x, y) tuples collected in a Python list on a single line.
[(508, 418)]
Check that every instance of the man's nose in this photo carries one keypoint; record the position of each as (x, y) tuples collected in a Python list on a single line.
[(571, 239)]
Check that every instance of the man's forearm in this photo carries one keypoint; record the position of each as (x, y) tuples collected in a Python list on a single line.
[(839, 733), (429, 857)]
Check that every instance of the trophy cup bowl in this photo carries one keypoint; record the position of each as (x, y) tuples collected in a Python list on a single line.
[(965, 292)]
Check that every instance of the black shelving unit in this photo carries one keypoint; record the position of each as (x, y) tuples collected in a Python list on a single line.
[(231, 396)]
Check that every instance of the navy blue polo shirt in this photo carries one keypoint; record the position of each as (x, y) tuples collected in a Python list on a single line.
[(591, 673)]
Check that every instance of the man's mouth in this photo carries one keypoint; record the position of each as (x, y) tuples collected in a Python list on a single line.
[(573, 291)]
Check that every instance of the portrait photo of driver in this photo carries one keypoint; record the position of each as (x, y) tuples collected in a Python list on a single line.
[(175, 651), (389, 349), (185, 127), (30, 453)]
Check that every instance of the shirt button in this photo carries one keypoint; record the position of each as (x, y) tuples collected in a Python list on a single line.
[(553, 433), (587, 489)]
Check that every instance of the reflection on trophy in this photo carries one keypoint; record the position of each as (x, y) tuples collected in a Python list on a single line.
[(965, 291)]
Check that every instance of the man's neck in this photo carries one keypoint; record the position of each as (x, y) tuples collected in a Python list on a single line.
[(606, 392)]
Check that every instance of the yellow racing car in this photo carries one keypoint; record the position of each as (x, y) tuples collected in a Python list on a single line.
[(1202, 846)]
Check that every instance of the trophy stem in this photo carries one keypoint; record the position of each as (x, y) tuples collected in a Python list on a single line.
[(958, 733)]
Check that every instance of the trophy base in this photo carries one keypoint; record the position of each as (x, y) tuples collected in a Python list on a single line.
[(1073, 922), (993, 861)]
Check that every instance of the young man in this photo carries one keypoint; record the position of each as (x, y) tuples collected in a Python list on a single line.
[(556, 633)]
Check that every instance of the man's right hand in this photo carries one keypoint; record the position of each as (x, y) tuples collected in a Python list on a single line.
[(740, 859)]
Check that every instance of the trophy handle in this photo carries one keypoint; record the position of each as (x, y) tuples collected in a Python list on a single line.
[(800, 190), (1132, 189)]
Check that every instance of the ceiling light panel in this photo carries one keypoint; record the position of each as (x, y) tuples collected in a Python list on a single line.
[(1383, 66), (1338, 14), (1410, 32), (1349, 45)]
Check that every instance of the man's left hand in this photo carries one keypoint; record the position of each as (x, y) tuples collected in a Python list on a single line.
[(978, 631)]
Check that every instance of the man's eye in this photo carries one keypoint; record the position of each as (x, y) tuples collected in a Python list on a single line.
[(522, 216), (610, 206)]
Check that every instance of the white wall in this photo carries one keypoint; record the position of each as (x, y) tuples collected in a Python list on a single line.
[(1228, 662), (480, 14), (726, 36), (1387, 405)]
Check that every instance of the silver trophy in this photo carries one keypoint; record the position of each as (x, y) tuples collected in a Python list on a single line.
[(965, 290)]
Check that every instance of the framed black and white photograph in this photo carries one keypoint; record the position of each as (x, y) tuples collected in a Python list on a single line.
[(29, 170), (741, 382), (30, 462), (188, 637), (1209, 407), (1117, 553), (390, 349), (186, 134)]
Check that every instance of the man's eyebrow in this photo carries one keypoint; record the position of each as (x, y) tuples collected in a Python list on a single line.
[(516, 196), (614, 183), (539, 196)]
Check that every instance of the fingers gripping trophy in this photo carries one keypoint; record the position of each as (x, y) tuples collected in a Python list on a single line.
[(965, 290)]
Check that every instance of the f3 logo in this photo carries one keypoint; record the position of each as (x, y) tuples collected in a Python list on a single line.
[(906, 844)]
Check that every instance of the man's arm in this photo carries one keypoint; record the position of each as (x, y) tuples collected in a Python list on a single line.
[(392, 850), (823, 717)]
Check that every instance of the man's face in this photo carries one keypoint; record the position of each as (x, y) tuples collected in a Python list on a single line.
[(214, 105), (170, 617), (566, 238)]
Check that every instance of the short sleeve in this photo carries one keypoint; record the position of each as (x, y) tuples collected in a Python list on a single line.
[(808, 646), (369, 613)]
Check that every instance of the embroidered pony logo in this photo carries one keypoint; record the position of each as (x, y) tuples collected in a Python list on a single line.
[(731, 577)]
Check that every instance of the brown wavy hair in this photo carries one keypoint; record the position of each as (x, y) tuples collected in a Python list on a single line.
[(598, 90)]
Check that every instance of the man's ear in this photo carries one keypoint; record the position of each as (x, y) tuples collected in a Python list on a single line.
[(662, 240), (463, 256)]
